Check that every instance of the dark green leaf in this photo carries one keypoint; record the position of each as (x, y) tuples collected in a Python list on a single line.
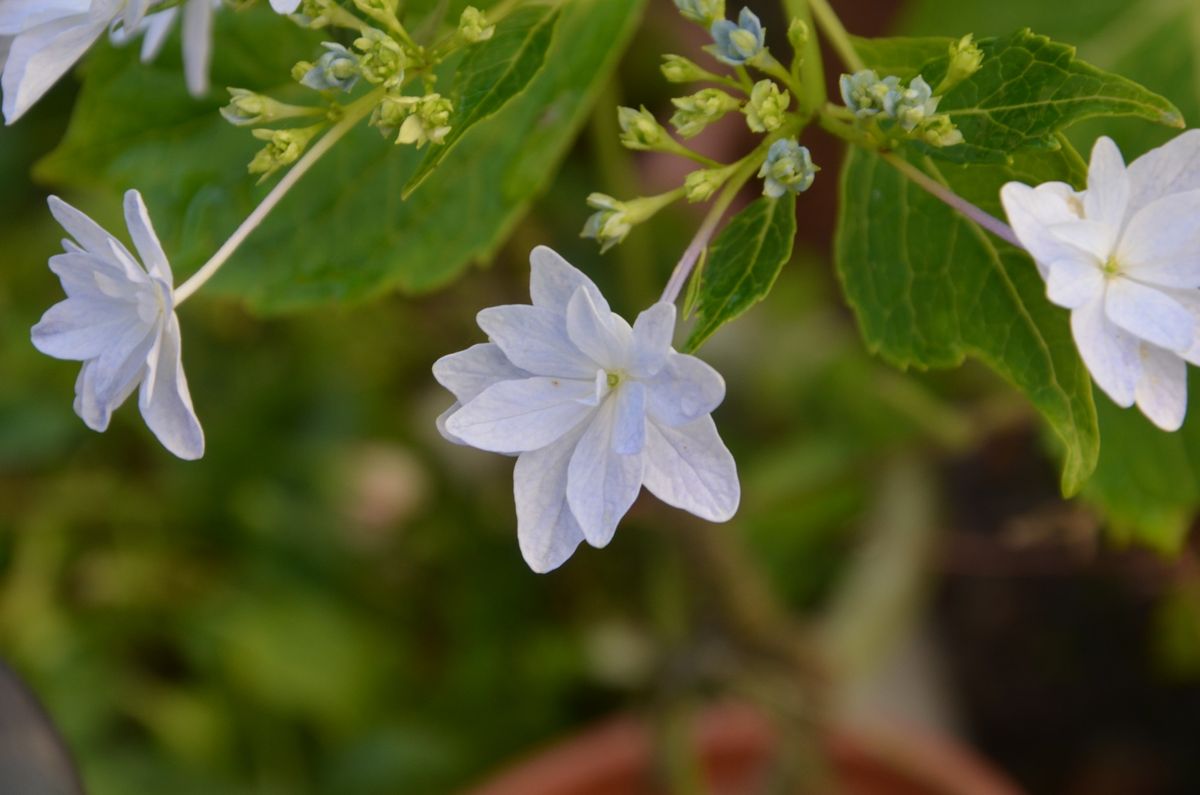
[(930, 288), (743, 263), (491, 74)]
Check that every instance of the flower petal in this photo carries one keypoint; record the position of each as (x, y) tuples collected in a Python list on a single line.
[(1107, 196), (685, 389), (121, 365), (602, 484), (1032, 211), (285, 6), (79, 329), (1149, 314), (536, 340), (1111, 354), (652, 333), (86, 232), (515, 416), (197, 44), (1172, 168), (40, 56), (1091, 240), (157, 27), (553, 280), (1071, 283), (17, 16), (1161, 244), (145, 240), (1162, 389), (689, 467), (165, 401), (1189, 300), (629, 423), (94, 412), (546, 529), (603, 337), (467, 373)]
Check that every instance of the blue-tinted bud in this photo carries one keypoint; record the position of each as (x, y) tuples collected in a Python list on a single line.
[(738, 44), (788, 167), (337, 69)]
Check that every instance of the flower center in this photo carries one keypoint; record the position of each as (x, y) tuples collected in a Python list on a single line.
[(614, 379), (1111, 268)]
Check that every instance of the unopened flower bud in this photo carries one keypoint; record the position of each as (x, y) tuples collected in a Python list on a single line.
[(429, 121), (639, 129), (940, 131), (677, 69), (473, 26), (700, 185), (705, 12), (865, 94), (337, 69), (788, 167), (246, 108), (283, 148), (695, 112), (798, 34), (767, 107), (911, 106), (965, 60), (609, 225), (383, 59)]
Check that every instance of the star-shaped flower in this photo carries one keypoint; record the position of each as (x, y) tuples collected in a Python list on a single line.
[(1124, 257), (593, 409), (119, 320)]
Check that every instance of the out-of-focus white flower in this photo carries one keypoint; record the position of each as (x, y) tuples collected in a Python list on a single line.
[(593, 409), (285, 6), (1124, 257), (196, 28), (45, 39), (119, 320)]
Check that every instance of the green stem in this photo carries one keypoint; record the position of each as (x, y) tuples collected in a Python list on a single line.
[(1079, 166), (745, 169), (812, 69), (838, 37), (952, 199), (355, 113)]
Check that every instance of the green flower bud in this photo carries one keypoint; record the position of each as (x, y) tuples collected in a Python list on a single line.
[(610, 224), (767, 107), (788, 167), (965, 59), (677, 69), (246, 108), (798, 34), (429, 121), (697, 111), (939, 131), (705, 12), (383, 59), (473, 26), (283, 148), (639, 129), (700, 185)]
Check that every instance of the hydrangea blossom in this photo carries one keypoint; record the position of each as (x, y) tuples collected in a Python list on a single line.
[(738, 44), (1124, 257), (196, 28), (119, 320), (593, 409)]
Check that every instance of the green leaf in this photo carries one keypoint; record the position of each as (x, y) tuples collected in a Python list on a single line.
[(743, 263), (1027, 89), (343, 233), (491, 74), (930, 288), (903, 57)]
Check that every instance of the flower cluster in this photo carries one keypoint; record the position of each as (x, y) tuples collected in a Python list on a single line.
[(1124, 257), (892, 110), (770, 107), (592, 408)]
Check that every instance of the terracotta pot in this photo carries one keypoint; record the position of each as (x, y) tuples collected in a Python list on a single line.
[(736, 745)]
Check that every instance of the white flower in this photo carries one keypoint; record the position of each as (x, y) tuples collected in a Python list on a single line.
[(119, 320), (197, 38), (593, 409), (1124, 257), (285, 6), (46, 37)]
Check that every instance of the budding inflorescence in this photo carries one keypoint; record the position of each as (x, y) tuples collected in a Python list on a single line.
[(889, 110), (776, 107)]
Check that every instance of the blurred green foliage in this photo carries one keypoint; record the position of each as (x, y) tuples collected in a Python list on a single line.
[(332, 601)]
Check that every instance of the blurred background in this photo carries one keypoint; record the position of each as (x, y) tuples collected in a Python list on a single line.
[(332, 600)]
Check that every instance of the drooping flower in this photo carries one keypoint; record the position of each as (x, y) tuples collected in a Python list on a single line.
[(593, 409), (119, 320), (1124, 257)]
